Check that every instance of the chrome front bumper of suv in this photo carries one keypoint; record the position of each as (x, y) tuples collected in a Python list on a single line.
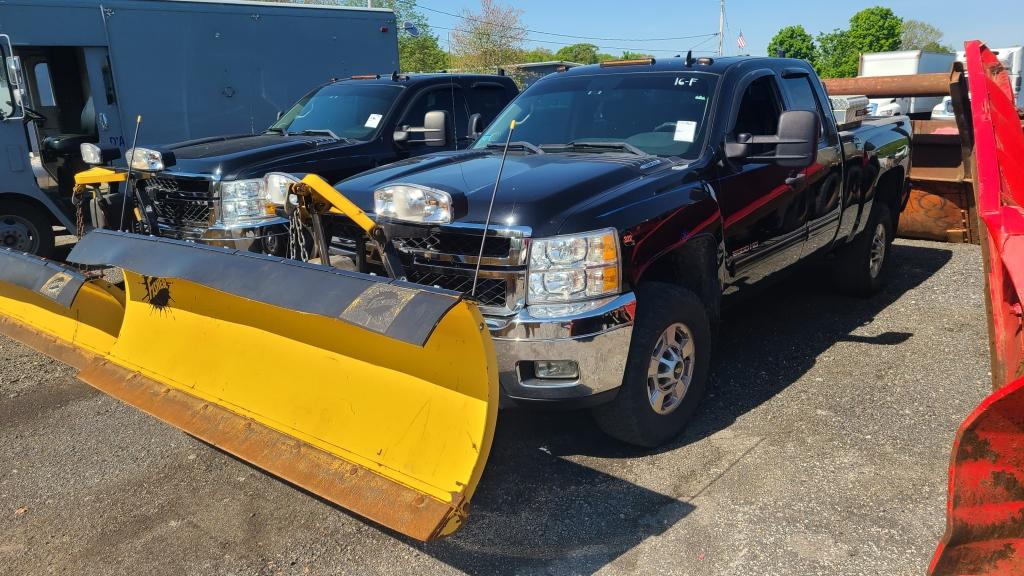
[(244, 236), (596, 336), (238, 237)]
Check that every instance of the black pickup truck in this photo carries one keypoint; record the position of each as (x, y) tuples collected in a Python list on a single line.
[(212, 190), (635, 195)]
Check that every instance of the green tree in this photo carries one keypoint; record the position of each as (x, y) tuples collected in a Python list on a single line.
[(792, 42), (875, 30), (489, 38), (535, 55), (871, 30), (835, 56), (627, 55), (421, 54), (580, 53), (918, 35)]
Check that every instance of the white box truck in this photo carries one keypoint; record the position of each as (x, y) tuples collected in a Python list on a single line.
[(1012, 59), (902, 63)]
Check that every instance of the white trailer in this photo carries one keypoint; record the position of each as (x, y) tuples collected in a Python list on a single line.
[(902, 63)]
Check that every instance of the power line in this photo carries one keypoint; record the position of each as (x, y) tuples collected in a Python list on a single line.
[(625, 49), (478, 20)]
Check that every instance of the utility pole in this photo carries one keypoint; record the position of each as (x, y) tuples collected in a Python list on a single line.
[(721, 28)]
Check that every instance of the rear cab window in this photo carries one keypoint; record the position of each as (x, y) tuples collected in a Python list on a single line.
[(802, 96)]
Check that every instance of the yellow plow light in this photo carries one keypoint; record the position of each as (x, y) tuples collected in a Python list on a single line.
[(377, 395)]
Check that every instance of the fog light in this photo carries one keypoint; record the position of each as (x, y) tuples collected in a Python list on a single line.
[(557, 369)]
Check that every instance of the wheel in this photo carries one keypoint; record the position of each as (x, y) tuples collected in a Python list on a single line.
[(666, 371), (860, 268), (26, 229)]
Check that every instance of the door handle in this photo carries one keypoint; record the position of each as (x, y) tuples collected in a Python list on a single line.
[(794, 179)]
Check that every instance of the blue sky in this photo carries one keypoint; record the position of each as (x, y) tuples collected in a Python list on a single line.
[(998, 23)]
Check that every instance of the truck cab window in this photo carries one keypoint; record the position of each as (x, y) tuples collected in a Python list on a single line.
[(347, 110), (44, 86), (6, 92), (451, 100), (759, 111), (6, 96), (486, 103), (801, 95)]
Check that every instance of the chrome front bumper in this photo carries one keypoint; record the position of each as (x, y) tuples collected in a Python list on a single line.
[(595, 335), (239, 237)]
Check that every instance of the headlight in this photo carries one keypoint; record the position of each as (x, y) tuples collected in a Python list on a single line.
[(145, 159), (574, 267), (91, 154), (242, 200), (413, 204), (276, 185)]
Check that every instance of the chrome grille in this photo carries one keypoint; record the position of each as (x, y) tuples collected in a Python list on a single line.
[(184, 206), (447, 258), (489, 291), (457, 244)]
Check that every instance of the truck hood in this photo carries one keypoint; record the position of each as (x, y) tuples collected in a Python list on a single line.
[(231, 155), (534, 187)]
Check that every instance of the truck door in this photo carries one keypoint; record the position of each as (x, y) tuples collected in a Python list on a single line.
[(820, 185), (104, 97), (765, 220), (16, 176)]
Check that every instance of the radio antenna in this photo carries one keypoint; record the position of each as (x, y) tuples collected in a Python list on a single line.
[(128, 178), (490, 207)]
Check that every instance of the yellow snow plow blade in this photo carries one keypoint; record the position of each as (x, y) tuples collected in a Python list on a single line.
[(376, 395)]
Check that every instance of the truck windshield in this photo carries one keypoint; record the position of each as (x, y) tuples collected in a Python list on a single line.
[(350, 110), (662, 114)]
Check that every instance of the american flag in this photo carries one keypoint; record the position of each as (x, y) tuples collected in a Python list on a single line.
[(741, 42)]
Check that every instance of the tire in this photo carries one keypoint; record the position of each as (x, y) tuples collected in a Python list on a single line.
[(860, 268), (632, 417), (25, 228)]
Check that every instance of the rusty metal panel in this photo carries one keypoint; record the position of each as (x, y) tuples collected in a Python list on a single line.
[(985, 510), (941, 204), (890, 86)]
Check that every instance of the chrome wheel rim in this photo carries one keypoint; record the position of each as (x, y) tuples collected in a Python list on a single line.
[(878, 246), (18, 234), (671, 368)]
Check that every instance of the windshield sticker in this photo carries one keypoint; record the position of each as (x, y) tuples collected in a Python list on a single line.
[(373, 120), (685, 131)]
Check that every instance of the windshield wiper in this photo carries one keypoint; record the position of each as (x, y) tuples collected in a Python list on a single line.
[(323, 131), (520, 145), (599, 144)]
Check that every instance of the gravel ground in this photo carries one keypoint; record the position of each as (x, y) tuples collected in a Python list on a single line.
[(822, 449)]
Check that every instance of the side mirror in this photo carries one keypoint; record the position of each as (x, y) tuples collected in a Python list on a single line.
[(14, 71), (434, 130), (435, 127), (795, 141), (476, 125)]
